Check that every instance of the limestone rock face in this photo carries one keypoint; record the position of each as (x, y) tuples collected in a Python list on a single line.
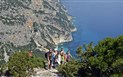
[(33, 24)]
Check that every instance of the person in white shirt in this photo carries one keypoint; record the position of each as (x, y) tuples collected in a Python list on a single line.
[(58, 58)]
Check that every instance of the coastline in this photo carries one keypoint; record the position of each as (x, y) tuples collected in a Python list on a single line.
[(60, 44)]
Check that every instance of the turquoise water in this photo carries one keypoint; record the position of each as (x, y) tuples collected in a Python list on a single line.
[(65, 49), (95, 20)]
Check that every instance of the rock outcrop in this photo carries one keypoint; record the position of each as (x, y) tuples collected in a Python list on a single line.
[(33, 24)]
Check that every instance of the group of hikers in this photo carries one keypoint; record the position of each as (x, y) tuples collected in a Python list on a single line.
[(55, 58)]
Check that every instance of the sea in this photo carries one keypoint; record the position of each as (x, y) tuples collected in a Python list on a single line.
[(94, 20)]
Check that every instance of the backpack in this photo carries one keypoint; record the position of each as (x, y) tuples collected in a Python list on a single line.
[(46, 55)]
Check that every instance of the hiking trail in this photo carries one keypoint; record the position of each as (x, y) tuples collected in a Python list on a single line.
[(39, 72)]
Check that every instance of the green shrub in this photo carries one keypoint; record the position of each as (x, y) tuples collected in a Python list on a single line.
[(103, 60), (69, 69), (21, 65), (2, 69)]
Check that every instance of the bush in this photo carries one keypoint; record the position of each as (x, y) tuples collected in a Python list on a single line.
[(69, 69), (20, 64), (2, 69), (103, 60)]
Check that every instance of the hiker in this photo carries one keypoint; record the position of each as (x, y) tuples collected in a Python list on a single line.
[(65, 57), (53, 57), (58, 58), (68, 56), (48, 56), (62, 51), (30, 53), (62, 58)]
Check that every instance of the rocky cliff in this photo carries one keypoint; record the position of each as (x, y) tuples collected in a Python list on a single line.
[(33, 24)]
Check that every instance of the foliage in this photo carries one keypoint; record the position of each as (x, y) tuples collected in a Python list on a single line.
[(21, 65), (110, 55), (38, 53), (69, 69), (103, 60), (2, 69)]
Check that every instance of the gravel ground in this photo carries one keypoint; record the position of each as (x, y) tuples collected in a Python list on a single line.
[(45, 73)]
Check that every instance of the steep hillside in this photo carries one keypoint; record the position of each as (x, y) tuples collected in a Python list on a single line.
[(32, 24)]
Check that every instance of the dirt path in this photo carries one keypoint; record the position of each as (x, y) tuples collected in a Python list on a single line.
[(45, 73)]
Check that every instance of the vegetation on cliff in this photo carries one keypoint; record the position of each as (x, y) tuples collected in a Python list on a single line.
[(103, 60), (21, 65)]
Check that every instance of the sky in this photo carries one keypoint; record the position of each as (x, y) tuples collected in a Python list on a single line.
[(102, 17)]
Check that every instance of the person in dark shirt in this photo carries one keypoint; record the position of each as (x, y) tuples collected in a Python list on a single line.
[(49, 58)]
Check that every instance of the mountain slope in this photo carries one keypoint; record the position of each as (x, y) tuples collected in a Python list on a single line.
[(33, 24)]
